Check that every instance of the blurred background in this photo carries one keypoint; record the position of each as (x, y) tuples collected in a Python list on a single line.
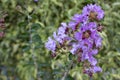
[(28, 25)]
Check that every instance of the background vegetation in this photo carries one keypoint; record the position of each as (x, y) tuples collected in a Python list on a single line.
[(28, 25)]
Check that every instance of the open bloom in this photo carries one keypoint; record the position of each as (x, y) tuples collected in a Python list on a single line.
[(92, 70), (88, 41), (93, 11), (50, 44), (77, 20), (61, 34), (80, 37)]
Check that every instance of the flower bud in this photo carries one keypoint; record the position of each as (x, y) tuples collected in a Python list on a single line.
[(2, 34), (100, 28), (53, 55), (2, 20)]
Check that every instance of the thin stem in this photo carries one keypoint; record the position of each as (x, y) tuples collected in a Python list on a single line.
[(91, 78), (66, 72), (32, 50)]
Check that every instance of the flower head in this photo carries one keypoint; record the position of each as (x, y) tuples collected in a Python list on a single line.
[(76, 21), (61, 35), (93, 11), (50, 44), (80, 37)]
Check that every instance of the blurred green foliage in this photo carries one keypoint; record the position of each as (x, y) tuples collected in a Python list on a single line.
[(29, 23)]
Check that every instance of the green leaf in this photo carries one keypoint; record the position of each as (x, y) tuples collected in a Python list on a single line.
[(37, 38), (26, 48), (70, 56), (22, 24), (35, 26), (69, 77)]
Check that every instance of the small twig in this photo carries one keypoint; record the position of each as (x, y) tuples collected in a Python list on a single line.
[(32, 51), (91, 78), (66, 72)]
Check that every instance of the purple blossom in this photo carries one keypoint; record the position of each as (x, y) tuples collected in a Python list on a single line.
[(92, 60), (78, 36), (82, 35), (87, 32), (74, 49), (61, 35), (73, 25), (96, 69), (99, 13), (97, 39), (50, 44), (94, 51), (76, 21), (79, 18), (89, 37), (92, 70), (35, 0), (89, 26)]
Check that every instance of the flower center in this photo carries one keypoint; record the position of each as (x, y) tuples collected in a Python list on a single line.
[(93, 15), (86, 34)]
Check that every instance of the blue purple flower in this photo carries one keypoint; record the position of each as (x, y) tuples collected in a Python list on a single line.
[(35, 0), (51, 44), (61, 35), (92, 69), (93, 11), (76, 21), (82, 35)]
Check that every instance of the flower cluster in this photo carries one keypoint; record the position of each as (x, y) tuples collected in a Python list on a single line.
[(82, 34)]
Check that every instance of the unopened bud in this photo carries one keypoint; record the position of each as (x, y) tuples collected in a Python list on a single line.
[(53, 55), (79, 59), (2, 34), (100, 28), (2, 20)]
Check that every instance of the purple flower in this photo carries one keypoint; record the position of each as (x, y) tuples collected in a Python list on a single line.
[(89, 26), (76, 21), (85, 53), (77, 47), (57, 38), (93, 69), (89, 38), (74, 49), (73, 25), (79, 18), (93, 11), (96, 69), (35, 0), (94, 51), (61, 35), (86, 31), (78, 36), (92, 60), (97, 39), (82, 34), (50, 44)]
